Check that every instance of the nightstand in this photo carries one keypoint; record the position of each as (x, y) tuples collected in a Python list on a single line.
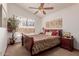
[(67, 43)]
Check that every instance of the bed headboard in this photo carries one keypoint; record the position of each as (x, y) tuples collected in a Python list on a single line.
[(59, 31)]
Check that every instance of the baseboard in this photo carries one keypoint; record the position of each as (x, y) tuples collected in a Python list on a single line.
[(76, 49)]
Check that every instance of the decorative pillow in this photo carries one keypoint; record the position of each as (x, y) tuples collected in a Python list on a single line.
[(55, 33), (48, 33)]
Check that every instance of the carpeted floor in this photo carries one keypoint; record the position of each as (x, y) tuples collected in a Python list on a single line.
[(18, 50)]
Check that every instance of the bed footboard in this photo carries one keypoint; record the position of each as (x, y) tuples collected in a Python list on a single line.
[(27, 42)]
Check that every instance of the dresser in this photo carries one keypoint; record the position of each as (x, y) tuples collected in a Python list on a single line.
[(67, 43)]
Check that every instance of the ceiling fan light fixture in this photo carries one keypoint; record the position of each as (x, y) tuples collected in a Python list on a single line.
[(41, 9)]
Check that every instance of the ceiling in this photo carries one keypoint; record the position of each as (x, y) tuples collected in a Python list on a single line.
[(57, 6)]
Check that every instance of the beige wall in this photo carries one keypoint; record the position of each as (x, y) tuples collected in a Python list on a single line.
[(0, 15), (3, 15)]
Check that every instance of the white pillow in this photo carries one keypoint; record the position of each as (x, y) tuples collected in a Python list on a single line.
[(48, 33)]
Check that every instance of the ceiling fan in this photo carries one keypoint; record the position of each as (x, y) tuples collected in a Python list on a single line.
[(41, 8)]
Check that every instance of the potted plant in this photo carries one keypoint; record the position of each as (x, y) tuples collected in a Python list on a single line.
[(12, 24)]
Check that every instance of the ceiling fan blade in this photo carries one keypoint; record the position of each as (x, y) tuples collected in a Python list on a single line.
[(33, 8), (44, 12), (48, 8), (36, 12)]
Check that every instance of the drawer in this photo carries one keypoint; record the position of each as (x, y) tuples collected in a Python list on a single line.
[(66, 41), (67, 44)]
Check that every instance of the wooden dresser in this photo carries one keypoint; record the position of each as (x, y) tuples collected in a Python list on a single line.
[(67, 43)]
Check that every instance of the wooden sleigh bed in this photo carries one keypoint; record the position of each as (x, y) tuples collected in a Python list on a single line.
[(41, 42)]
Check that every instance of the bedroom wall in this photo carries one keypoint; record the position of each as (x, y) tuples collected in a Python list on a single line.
[(3, 29), (14, 9), (3, 15), (70, 17), (3, 40), (0, 15)]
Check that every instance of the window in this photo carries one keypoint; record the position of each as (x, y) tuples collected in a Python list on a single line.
[(26, 22), (30, 22)]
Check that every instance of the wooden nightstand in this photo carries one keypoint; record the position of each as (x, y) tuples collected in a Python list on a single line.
[(67, 43)]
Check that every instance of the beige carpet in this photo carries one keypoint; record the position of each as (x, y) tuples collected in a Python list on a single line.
[(18, 50)]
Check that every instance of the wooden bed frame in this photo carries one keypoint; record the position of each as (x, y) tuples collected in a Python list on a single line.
[(28, 41)]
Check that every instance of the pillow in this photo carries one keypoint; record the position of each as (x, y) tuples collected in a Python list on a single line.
[(48, 33), (55, 33)]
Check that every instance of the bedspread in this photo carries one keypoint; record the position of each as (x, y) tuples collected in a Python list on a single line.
[(39, 43), (43, 42)]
